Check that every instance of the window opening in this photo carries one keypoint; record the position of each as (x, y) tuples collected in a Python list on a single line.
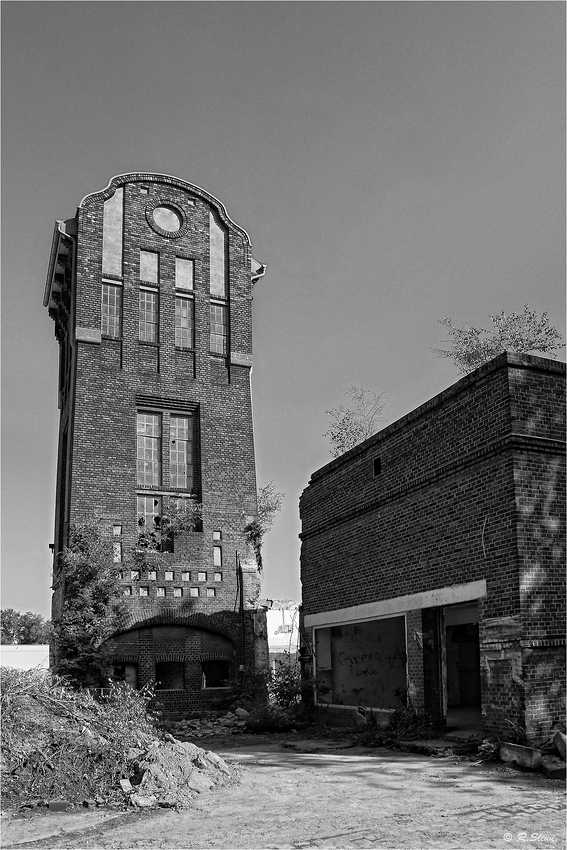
[(181, 452), (170, 676), (184, 322), (201, 576), (149, 521), (160, 591), (217, 556), (111, 310), (218, 577), (377, 466), (193, 591), (215, 674), (211, 592), (218, 328), (144, 591), (149, 450), (148, 323)]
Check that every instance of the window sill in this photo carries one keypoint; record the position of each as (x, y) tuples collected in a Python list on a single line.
[(148, 344)]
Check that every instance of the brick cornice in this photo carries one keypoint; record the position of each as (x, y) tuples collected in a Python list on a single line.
[(511, 442)]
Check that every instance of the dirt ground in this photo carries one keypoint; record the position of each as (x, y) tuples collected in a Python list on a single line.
[(324, 794)]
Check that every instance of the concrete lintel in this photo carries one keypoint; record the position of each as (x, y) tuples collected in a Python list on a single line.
[(237, 358), (399, 604), (87, 335)]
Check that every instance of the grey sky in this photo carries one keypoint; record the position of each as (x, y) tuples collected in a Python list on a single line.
[(393, 163)]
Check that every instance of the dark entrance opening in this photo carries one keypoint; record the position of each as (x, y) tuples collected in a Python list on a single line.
[(462, 654)]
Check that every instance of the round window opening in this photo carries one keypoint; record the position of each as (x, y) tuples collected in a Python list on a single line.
[(167, 218)]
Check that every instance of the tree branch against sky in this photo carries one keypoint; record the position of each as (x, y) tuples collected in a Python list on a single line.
[(522, 333), (353, 424)]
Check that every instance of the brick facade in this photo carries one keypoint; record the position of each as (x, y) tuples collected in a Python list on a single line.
[(460, 503), (107, 379)]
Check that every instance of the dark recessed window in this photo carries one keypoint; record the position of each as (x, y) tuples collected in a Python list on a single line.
[(377, 466), (215, 674)]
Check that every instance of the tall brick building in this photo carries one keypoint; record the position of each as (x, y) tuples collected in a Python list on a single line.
[(150, 287), (433, 557)]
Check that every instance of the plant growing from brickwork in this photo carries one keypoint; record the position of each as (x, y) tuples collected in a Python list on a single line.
[(183, 515), (269, 503), (89, 605), (517, 332), (353, 424)]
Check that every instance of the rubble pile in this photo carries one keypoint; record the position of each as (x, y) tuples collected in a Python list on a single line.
[(62, 746), (230, 723)]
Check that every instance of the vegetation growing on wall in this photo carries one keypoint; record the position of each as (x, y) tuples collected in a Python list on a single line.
[(521, 333), (89, 607)]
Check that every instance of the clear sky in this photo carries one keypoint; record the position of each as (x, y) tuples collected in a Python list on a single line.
[(393, 163)]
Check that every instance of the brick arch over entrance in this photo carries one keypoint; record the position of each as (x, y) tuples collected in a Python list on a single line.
[(225, 623)]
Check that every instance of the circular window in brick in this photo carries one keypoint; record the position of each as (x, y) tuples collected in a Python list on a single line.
[(167, 218)]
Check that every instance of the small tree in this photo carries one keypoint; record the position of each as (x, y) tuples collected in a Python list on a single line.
[(90, 605), (28, 628), (520, 333), (269, 503), (354, 424)]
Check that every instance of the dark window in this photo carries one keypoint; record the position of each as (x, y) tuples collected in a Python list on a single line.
[(377, 464), (170, 676), (215, 674)]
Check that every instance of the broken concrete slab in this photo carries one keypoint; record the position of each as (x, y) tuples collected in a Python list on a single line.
[(521, 756), (439, 746), (553, 767)]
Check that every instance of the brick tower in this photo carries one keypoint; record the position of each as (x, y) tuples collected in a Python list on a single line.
[(150, 288)]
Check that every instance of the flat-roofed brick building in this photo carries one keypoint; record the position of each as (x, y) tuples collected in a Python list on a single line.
[(433, 557)]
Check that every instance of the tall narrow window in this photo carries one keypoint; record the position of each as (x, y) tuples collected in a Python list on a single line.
[(149, 449), (148, 316), (184, 323), (111, 310), (181, 452), (149, 515), (218, 328)]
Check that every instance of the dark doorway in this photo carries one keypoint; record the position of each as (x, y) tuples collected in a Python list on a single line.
[(462, 653)]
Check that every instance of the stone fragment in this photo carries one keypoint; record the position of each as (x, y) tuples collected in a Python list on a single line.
[(241, 713), (522, 756), (560, 740), (126, 785), (89, 804), (553, 767), (58, 805), (143, 801)]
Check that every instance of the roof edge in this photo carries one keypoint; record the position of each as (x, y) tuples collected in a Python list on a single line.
[(135, 176), (507, 359)]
